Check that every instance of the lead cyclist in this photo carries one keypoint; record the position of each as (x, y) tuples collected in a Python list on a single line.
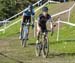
[(43, 18)]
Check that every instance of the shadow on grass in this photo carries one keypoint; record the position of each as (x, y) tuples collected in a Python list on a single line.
[(55, 42), (11, 58), (52, 55), (33, 44), (61, 41)]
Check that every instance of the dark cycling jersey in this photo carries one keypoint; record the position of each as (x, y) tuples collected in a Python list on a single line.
[(27, 15), (43, 20), (29, 11)]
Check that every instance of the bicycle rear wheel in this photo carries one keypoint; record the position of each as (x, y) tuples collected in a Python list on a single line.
[(24, 39), (24, 43)]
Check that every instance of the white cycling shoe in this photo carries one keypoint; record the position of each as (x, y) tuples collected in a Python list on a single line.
[(20, 37), (37, 42)]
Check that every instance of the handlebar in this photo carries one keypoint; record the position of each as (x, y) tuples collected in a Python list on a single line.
[(49, 31), (28, 24)]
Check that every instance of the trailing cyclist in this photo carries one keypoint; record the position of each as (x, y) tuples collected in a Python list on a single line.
[(27, 18)]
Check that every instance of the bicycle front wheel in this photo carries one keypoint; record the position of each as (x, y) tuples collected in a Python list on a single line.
[(38, 49), (45, 48)]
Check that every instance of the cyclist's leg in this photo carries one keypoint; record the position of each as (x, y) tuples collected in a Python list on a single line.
[(46, 34), (22, 25), (21, 29), (28, 20), (38, 34)]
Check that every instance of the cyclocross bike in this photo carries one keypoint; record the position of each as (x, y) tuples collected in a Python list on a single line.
[(25, 31), (43, 46), (25, 34)]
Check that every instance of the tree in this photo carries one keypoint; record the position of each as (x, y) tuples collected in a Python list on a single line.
[(10, 7)]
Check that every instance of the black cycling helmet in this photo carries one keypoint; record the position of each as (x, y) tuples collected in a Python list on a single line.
[(45, 9), (30, 6)]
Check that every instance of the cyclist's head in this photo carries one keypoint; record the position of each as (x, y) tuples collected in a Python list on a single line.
[(30, 7), (45, 10)]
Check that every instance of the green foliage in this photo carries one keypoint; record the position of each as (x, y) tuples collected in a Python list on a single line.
[(10, 7), (11, 50)]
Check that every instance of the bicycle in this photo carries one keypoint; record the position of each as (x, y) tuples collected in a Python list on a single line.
[(25, 34), (43, 45)]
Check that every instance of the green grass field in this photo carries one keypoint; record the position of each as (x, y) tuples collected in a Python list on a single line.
[(62, 51)]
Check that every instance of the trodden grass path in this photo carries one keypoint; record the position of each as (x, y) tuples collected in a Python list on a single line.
[(63, 51)]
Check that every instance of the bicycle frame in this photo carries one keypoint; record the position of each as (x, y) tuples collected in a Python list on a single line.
[(43, 45), (25, 32), (42, 36), (24, 35)]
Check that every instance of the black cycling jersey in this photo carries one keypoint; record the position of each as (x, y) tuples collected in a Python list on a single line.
[(43, 20), (26, 19)]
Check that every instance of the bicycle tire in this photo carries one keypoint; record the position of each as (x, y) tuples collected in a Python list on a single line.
[(45, 49), (38, 49), (24, 39), (24, 43)]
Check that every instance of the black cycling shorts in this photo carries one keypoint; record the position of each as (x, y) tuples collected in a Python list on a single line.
[(26, 19), (44, 30)]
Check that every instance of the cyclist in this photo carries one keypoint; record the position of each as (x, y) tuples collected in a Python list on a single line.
[(26, 18), (41, 23)]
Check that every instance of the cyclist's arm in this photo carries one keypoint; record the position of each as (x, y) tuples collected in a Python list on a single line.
[(21, 23), (51, 23), (51, 26), (33, 19), (38, 24), (33, 16), (23, 17)]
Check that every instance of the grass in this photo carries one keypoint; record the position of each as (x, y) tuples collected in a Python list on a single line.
[(62, 51)]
